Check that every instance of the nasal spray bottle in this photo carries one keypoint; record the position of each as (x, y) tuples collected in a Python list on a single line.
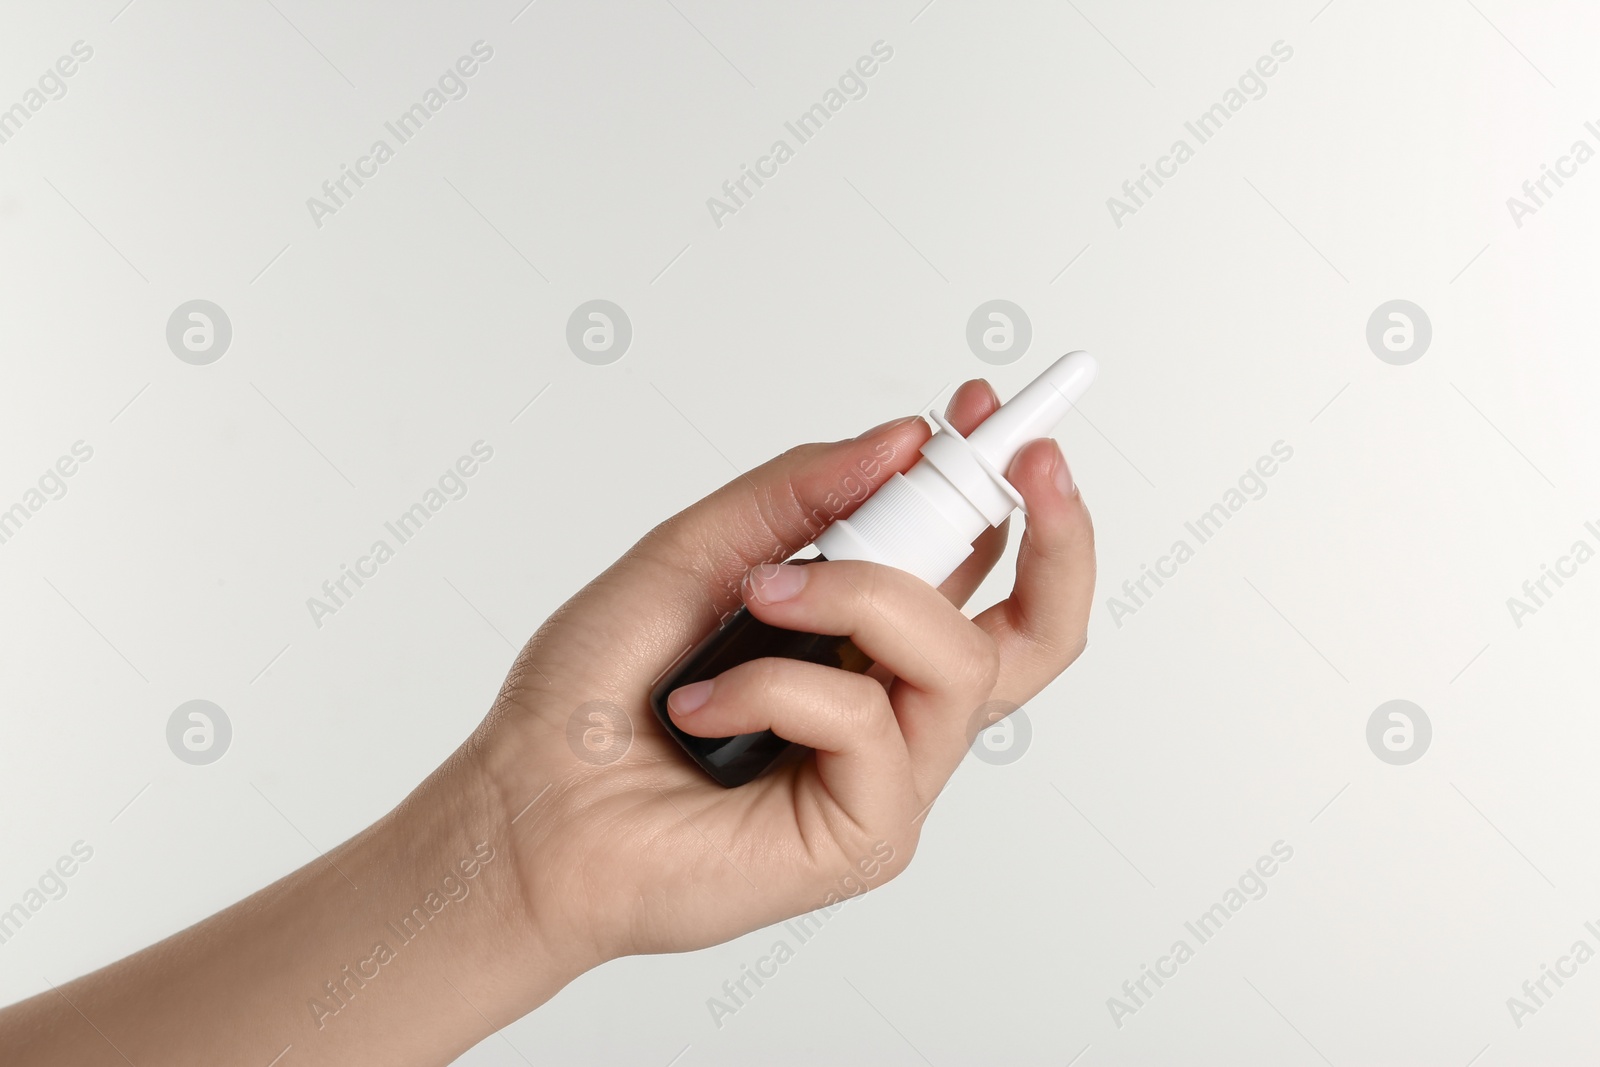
[(923, 521)]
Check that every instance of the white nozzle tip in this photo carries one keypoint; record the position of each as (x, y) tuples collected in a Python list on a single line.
[(1035, 411), (1072, 373), (1069, 376)]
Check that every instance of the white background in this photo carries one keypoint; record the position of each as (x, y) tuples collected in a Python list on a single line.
[(1229, 313)]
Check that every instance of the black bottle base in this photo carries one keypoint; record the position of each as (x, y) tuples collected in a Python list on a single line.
[(733, 761)]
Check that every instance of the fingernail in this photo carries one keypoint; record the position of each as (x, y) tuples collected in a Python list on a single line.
[(1062, 475), (772, 582), (950, 408), (881, 427), (688, 698)]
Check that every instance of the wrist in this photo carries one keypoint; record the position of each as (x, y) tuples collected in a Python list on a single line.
[(451, 857), (419, 915)]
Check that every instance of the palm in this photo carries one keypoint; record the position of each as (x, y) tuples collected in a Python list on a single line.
[(679, 860)]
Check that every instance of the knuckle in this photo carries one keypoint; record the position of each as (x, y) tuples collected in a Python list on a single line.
[(895, 853), (803, 452), (1078, 535), (1086, 530), (1057, 653), (855, 591), (779, 501), (981, 661), (1076, 649), (774, 674), (757, 679), (868, 861), (865, 581), (862, 707)]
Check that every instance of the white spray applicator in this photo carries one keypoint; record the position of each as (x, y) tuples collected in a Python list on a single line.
[(922, 521)]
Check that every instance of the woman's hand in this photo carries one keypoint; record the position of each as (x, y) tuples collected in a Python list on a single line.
[(636, 850), (531, 856)]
